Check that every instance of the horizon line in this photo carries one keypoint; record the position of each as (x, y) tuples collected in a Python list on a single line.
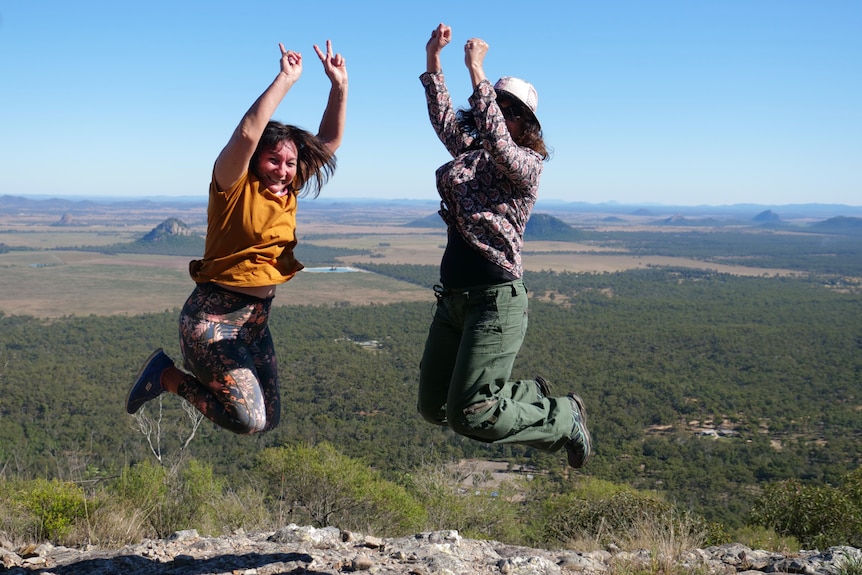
[(609, 203)]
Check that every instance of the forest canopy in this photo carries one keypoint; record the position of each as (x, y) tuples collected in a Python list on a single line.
[(700, 385)]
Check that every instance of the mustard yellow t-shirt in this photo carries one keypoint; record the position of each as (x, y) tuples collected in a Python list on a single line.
[(251, 233)]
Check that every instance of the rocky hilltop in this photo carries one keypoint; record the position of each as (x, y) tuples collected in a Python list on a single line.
[(168, 228), (330, 551)]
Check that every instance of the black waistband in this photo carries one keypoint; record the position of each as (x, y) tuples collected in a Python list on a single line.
[(243, 297), (477, 291)]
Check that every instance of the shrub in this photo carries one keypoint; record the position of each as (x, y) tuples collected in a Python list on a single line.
[(46, 510), (244, 507), (627, 518), (143, 488), (476, 512), (196, 496), (14, 523), (110, 525), (327, 488), (819, 516), (170, 500), (143, 485)]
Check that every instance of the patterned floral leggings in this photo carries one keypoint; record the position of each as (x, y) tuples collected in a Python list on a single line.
[(226, 344)]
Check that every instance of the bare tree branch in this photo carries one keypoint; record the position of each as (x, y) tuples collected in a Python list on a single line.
[(196, 416), (152, 429)]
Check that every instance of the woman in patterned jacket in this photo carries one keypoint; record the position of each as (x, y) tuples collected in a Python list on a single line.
[(487, 193), (251, 221)]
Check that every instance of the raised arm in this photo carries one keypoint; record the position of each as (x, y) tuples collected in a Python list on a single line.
[(474, 55), (331, 129), (233, 160), (440, 36), (440, 111)]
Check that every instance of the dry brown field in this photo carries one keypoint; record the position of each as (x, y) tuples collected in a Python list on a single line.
[(68, 283), (57, 280), (393, 245)]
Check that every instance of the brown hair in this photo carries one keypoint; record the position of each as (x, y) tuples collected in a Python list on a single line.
[(531, 137), (315, 163)]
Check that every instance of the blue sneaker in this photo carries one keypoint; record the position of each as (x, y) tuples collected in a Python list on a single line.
[(148, 385), (579, 448)]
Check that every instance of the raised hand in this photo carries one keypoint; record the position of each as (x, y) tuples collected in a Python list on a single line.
[(291, 63), (440, 37), (333, 65), (474, 52)]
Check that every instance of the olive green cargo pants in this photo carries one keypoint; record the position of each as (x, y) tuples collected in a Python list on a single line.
[(464, 374)]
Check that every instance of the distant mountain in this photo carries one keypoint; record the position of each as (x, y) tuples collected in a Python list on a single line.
[(549, 228), (432, 221), (17, 201), (767, 217), (839, 225), (680, 220), (50, 205), (674, 220), (65, 221), (172, 237), (171, 227), (539, 227)]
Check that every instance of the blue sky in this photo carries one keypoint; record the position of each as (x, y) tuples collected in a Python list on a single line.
[(671, 102)]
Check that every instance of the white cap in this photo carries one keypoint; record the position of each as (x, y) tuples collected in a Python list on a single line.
[(522, 91)]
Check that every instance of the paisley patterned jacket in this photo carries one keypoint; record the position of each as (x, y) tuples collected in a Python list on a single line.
[(487, 192)]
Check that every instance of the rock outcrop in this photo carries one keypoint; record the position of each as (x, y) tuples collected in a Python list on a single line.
[(169, 227), (66, 220), (329, 551)]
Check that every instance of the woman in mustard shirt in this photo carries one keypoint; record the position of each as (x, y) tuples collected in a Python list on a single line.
[(251, 222)]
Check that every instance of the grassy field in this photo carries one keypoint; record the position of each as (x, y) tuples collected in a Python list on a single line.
[(45, 238)]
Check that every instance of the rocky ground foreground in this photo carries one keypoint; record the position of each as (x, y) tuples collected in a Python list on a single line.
[(329, 551)]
